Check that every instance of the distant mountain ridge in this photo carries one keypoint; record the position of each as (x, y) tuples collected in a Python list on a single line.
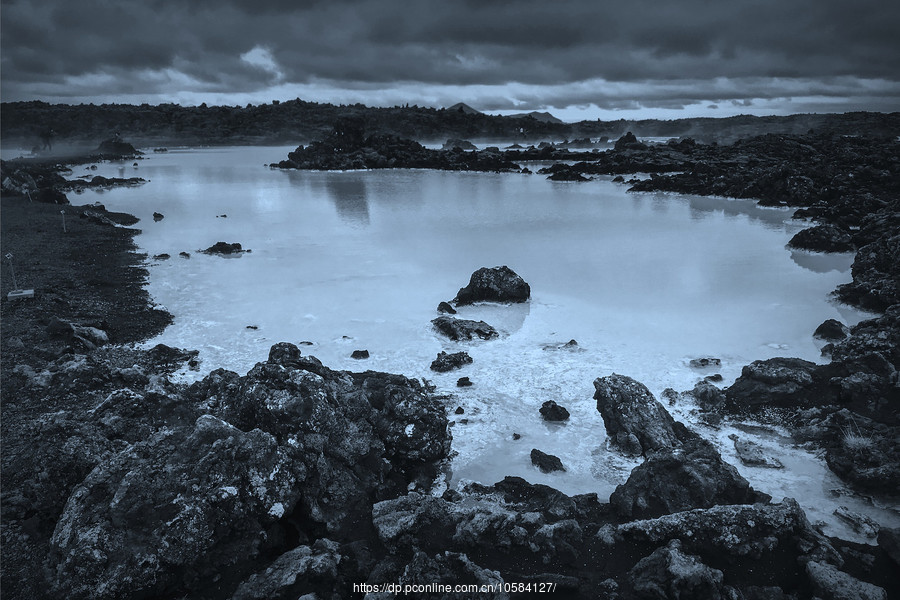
[(544, 117)]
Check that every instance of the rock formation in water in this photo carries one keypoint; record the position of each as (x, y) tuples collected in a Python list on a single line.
[(497, 284)]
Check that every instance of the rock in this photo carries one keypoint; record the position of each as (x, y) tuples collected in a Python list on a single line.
[(547, 463), (568, 175), (360, 354), (630, 411), (294, 573), (670, 573), (784, 382), (117, 147), (721, 533), (448, 362), (498, 284), (224, 248), (423, 572), (162, 256), (823, 238), (516, 436), (831, 330), (551, 411), (184, 254), (828, 583), (128, 527), (715, 377), (702, 363), (166, 358), (861, 524), (158, 216), (754, 455), (876, 275), (463, 329), (457, 144), (459, 410), (444, 307), (707, 396), (629, 142), (88, 338), (463, 382), (675, 480)]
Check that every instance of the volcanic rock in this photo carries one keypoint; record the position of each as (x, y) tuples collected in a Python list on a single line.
[(547, 463), (498, 284), (551, 411), (448, 362), (630, 411), (464, 329)]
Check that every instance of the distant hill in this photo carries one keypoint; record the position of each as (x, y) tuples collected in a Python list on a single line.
[(297, 121), (543, 117), (465, 108)]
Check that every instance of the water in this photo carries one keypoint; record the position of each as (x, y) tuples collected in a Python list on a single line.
[(360, 260)]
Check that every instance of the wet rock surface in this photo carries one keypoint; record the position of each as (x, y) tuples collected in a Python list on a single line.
[(551, 411), (497, 284), (448, 362), (464, 329), (635, 421), (225, 249)]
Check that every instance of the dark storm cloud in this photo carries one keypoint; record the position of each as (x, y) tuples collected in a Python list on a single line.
[(61, 48)]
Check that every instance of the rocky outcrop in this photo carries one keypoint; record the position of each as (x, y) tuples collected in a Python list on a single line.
[(629, 142), (116, 147), (780, 382), (498, 284), (876, 275), (674, 480), (670, 573), (448, 362), (464, 329), (635, 422), (291, 445), (823, 238)]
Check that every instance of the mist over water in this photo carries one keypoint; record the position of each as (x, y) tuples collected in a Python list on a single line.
[(360, 260)]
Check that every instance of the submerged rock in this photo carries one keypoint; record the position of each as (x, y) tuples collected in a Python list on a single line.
[(754, 455), (360, 354), (702, 363), (448, 362), (464, 329), (497, 284), (635, 421)]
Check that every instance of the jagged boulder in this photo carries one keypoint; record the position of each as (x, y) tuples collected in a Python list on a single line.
[(498, 284), (670, 573), (630, 412), (674, 480), (303, 570), (547, 463), (831, 330)]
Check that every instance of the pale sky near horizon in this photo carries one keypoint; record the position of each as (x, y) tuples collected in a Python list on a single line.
[(578, 59)]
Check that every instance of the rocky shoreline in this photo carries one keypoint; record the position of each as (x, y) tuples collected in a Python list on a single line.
[(295, 480)]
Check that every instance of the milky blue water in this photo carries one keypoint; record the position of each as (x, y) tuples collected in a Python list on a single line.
[(360, 260)]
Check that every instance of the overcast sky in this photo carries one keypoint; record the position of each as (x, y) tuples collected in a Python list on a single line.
[(574, 58)]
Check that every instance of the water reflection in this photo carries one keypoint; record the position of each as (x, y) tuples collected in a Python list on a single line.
[(348, 193), (823, 263)]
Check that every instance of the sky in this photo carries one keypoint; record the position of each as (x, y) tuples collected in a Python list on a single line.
[(577, 59)]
